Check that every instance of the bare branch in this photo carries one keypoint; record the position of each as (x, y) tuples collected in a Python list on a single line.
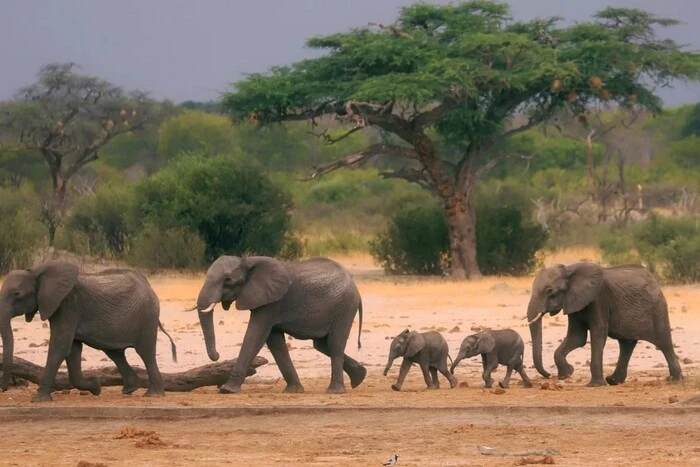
[(530, 124), (327, 139), (410, 175)]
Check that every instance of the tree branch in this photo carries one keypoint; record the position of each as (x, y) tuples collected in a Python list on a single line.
[(530, 124), (410, 175), (429, 117), (360, 158), (330, 140)]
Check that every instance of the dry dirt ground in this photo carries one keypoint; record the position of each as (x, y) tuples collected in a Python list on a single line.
[(636, 424)]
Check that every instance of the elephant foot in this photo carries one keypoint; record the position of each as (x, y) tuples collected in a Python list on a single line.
[(674, 379), (395, 387), (565, 372), (229, 388), (527, 384), (42, 397), (358, 376), (594, 383), (453, 383), (432, 386), (336, 388), (296, 388), (613, 380), (154, 393), (502, 385), (488, 384)]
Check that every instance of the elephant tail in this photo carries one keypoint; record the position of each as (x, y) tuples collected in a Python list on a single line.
[(359, 332), (451, 362), (173, 348)]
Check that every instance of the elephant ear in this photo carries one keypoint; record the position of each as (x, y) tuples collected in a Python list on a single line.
[(416, 342), (486, 343), (585, 281), (266, 282), (55, 279)]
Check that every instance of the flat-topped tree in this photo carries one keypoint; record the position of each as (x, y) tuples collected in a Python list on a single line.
[(68, 118), (458, 74)]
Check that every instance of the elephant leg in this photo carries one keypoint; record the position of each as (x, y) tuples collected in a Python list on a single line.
[(425, 368), (598, 337), (75, 371), (506, 380), (491, 364), (521, 371), (434, 377), (256, 335), (403, 371), (576, 336), (130, 379), (674, 367), (620, 373), (446, 373), (146, 349), (352, 367), (278, 348), (63, 326)]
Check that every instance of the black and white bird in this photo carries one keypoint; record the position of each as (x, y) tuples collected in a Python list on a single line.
[(392, 461)]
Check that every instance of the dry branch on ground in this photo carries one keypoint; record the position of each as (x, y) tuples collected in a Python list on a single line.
[(213, 374)]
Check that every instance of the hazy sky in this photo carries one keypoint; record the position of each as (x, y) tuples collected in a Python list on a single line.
[(192, 49)]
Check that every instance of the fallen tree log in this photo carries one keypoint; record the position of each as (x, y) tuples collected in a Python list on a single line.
[(213, 374)]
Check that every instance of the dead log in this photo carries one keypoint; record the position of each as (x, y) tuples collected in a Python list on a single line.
[(213, 374)]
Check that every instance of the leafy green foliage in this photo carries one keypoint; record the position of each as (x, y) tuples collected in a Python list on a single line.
[(21, 233), (416, 241), (193, 131), (156, 248), (686, 152), (669, 247), (226, 200)]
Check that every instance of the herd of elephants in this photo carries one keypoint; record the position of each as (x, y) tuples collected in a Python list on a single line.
[(317, 299)]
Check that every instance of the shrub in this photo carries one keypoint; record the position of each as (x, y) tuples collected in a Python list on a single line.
[(102, 224), (417, 241), (21, 233), (156, 249), (233, 207), (670, 248)]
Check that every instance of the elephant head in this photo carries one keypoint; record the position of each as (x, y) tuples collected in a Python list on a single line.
[(24, 292), (476, 344), (569, 288), (251, 282), (407, 344)]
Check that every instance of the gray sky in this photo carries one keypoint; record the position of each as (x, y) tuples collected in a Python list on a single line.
[(192, 49)]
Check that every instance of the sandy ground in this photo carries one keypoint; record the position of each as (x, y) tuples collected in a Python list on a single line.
[(634, 424)]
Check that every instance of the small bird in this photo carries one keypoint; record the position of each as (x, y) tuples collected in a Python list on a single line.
[(392, 461)]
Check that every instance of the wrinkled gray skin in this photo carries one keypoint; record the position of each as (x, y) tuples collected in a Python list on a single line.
[(313, 299), (625, 303), (427, 349), (109, 311), (501, 346)]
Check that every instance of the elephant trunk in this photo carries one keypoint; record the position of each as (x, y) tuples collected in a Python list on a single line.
[(456, 361), (535, 318), (388, 365), (8, 344), (206, 321)]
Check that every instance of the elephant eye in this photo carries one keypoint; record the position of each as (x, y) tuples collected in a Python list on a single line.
[(228, 280), (549, 290), (16, 292)]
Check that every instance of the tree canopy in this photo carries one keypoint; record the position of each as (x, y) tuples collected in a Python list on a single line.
[(458, 74)]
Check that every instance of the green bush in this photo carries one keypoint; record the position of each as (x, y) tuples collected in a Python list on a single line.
[(670, 248), (102, 224), (21, 233), (233, 207), (417, 241), (156, 249)]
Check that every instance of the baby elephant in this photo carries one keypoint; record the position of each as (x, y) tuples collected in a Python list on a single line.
[(503, 347), (428, 349)]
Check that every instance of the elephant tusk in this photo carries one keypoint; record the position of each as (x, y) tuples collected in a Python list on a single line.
[(209, 309), (190, 309), (537, 318)]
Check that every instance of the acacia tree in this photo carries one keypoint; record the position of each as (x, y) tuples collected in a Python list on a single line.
[(458, 74), (68, 118)]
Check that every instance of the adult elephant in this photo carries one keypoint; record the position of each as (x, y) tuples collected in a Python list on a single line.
[(111, 310), (313, 299), (624, 302)]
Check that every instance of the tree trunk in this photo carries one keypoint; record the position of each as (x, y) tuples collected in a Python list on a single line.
[(213, 374), (461, 222)]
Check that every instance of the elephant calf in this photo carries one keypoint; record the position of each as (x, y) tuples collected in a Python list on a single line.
[(427, 349), (504, 347)]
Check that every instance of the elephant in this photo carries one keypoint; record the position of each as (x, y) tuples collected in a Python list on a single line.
[(623, 302), (313, 299), (427, 349), (500, 346), (111, 311)]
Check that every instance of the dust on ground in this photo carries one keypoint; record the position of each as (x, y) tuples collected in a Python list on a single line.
[(433, 436)]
